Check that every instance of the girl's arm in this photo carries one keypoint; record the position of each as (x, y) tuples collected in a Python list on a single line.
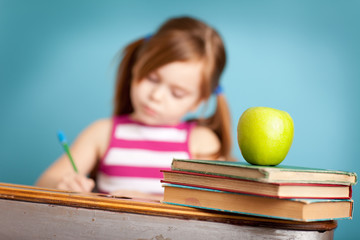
[(90, 145), (204, 144)]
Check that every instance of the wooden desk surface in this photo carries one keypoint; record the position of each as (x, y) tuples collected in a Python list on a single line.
[(22, 196)]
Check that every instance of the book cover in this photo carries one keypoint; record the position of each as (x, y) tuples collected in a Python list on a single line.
[(279, 190), (279, 173), (305, 210)]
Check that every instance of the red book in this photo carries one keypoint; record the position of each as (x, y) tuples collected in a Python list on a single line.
[(269, 189)]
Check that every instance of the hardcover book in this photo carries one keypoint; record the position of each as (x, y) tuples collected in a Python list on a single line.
[(290, 209), (279, 190), (280, 173)]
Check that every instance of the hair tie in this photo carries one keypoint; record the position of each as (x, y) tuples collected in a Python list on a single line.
[(218, 90), (147, 37)]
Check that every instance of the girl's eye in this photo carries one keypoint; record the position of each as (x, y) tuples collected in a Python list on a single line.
[(177, 93), (153, 79)]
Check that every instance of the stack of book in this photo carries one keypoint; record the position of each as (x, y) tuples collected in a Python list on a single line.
[(284, 192)]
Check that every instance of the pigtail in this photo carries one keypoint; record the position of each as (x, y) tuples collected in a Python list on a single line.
[(220, 121), (223, 129), (122, 101), (220, 124)]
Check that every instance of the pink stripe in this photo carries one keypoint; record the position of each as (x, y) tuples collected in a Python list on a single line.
[(150, 145), (126, 171)]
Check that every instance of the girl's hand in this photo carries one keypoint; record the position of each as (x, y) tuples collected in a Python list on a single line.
[(76, 183)]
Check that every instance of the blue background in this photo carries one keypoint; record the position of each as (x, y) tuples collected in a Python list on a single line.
[(57, 62)]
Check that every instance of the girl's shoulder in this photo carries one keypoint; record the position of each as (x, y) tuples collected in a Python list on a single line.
[(203, 142), (98, 131), (101, 125)]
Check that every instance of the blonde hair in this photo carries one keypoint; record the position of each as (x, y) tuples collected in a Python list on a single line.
[(178, 39)]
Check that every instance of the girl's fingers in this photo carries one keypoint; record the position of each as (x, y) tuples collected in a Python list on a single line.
[(86, 184), (76, 183)]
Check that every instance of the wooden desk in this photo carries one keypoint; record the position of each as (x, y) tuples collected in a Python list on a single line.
[(37, 213)]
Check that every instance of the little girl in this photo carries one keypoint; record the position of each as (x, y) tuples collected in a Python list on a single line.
[(160, 79)]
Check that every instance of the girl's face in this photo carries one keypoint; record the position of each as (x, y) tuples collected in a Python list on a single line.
[(166, 95)]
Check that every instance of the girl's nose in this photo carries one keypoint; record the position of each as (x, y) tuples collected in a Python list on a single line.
[(157, 93)]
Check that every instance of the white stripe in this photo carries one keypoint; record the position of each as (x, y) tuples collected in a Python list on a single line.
[(136, 132), (145, 185), (142, 158)]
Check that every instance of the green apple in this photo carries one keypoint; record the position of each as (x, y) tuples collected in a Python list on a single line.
[(265, 135)]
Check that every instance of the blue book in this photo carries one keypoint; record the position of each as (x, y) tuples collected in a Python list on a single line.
[(296, 209)]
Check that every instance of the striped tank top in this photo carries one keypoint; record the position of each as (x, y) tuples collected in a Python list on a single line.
[(137, 152)]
